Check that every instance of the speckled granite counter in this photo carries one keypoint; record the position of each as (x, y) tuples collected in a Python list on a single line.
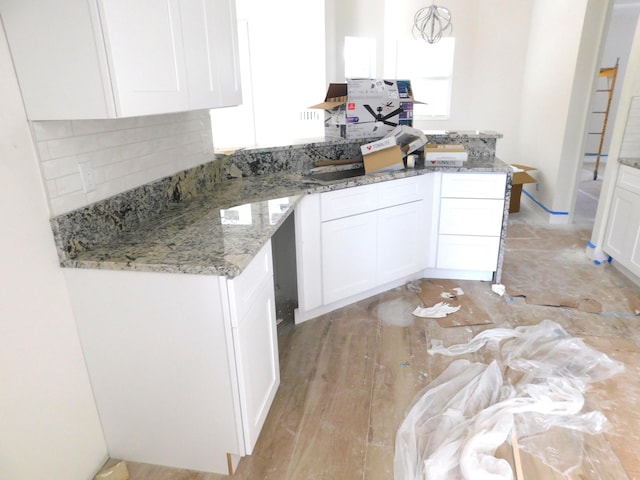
[(630, 162), (205, 221)]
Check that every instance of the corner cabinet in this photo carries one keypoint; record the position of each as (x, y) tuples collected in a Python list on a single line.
[(184, 368), (622, 237), (355, 242), (93, 59)]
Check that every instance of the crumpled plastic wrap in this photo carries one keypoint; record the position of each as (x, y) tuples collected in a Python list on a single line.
[(536, 386)]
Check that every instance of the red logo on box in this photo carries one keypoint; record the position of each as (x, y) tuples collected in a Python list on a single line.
[(351, 106)]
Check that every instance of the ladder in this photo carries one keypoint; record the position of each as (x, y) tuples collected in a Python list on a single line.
[(609, 74)]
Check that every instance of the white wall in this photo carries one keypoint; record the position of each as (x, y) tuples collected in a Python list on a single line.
[(585, 78), (286, 48), (49, 427), (560, 72), (491, 41)]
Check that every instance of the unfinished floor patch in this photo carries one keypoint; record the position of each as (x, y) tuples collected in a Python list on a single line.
[(449, 291), (551, 299)]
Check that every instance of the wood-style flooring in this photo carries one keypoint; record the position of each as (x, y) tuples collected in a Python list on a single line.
[(348, 377)]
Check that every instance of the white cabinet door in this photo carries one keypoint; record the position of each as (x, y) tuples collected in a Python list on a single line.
[(622, 239), (211, 49), (146, 55), (622, 226), (256, 347), (402, 241), (348, 256), (253, 317)]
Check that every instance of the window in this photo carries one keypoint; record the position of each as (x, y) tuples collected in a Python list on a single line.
[(430, 69), (359, 57)]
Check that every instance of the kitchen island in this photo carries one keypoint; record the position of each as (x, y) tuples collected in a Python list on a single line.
[(173, 293)]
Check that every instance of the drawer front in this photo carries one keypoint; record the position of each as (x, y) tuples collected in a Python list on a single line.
[(462, 216), (474, 185), (348, 201), (459, 252), (397, 192), (629, 178)]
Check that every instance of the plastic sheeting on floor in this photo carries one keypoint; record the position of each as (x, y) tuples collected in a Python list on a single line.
[(535, 385)]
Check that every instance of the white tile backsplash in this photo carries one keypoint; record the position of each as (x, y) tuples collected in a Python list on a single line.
[(124, 153)]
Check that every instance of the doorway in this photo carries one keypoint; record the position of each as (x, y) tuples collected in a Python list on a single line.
[(620, 31)]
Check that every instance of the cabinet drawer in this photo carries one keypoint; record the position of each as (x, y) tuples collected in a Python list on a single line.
[(348, 201), (462, 216), (474, 185), (397, 192), (629, 178), (460, 252)]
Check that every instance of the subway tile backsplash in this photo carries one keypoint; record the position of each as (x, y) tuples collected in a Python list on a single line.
[(122, 153)]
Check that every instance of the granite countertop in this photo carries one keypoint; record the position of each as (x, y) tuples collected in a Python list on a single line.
[(219, 233), (630, 162)]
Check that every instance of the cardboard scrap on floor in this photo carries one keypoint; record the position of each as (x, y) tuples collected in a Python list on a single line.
[(449, 291), (550, 299)]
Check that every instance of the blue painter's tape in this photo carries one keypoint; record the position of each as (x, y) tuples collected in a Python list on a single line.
[(542, 206), (591, 245)]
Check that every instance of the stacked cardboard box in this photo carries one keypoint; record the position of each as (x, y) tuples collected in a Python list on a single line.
[(445, 155)]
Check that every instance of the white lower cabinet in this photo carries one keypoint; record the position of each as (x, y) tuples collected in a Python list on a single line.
[(470, 225), (622, 240), (350, 243), (183, 367)]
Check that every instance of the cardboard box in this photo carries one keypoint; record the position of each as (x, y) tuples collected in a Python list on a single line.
[(520, 177), (444, 163), (369, 148), (407, 138), (334, 106), (385, 160), (445, 152), (410, 139), (366, 108)]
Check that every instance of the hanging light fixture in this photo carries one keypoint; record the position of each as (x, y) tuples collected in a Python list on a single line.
[(430, 23)]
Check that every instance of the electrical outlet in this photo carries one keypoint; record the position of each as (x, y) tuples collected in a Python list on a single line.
[(88, 178)]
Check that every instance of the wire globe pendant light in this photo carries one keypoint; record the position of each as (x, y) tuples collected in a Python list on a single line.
[(430, 23)]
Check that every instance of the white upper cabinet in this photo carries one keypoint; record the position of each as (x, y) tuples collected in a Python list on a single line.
[(211, 49), (82, 59)]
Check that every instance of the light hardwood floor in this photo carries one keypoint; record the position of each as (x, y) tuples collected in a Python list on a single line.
[(349, 376)]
